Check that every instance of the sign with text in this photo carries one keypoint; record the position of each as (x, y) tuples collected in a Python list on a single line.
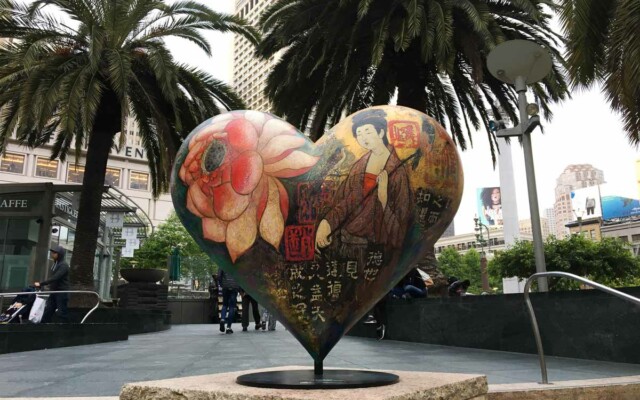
[(129, 233), (20, 202), (114, 220), (127, 252)]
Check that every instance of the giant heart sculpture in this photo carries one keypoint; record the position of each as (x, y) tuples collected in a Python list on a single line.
[(317, 233)]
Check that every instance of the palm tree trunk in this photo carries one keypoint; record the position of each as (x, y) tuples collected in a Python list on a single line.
[(412, 94), (106, 126), (84, 247), (411, 85)]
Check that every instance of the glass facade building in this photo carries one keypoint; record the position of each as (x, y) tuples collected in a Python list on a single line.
[(37, 216)]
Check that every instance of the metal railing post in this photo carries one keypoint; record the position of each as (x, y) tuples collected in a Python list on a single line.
[(532, 315), (2, 295)]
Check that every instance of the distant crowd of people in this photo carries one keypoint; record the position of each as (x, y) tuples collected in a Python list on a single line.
[(223, 285)]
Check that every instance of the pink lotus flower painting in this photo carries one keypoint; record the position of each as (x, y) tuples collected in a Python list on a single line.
[(233, 170)]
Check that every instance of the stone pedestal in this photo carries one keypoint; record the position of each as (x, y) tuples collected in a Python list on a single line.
[(412, 386)]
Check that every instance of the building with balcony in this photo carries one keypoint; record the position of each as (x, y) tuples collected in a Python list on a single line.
[(466, 241)]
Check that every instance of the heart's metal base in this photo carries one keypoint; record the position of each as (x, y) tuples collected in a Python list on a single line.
[(307, 379)]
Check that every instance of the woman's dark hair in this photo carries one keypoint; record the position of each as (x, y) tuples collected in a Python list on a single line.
[(486, 196), (375, 117)]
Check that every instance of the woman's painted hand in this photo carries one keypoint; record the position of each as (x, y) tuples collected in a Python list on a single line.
[(322, 235), (383, 184)]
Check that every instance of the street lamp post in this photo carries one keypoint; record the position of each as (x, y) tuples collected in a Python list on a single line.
[(520, 62), (483, 257)]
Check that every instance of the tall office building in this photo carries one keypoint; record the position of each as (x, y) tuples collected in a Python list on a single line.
[(249, 72), (450, 231), (550, 215), (573, 177), (526, 227)]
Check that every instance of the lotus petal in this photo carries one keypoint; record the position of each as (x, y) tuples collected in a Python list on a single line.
[(242, 233), (242, 135), (214, 229), (272, 222), (246, 171), (227, 203), (280, 146), (272, 128), (256, 118), (221, 117), (194, 152), (284, 199), (296, 163), (198, 202), (260, 196)]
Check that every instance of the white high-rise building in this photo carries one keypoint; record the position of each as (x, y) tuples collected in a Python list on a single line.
[(551, 220), (249, 72)]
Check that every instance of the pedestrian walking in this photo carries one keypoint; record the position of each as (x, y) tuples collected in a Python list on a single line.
[(229, 301), (59, 280)]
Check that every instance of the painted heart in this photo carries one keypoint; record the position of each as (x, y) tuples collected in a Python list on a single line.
[(318, 232)]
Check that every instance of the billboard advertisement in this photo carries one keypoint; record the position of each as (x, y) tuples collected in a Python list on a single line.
[(489, 203), (619, 207), (585, 202)]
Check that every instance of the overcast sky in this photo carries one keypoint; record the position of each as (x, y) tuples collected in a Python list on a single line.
[(583, 130)]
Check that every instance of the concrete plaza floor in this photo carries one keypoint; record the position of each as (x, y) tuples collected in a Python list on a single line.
[(188, 350)]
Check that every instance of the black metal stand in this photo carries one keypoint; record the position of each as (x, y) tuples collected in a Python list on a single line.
[(318, 378), (318, 368)]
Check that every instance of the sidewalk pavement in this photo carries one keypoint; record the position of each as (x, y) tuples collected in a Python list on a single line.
[(188, 350)]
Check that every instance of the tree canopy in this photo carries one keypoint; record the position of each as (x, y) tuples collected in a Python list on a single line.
[(72, 71), (603, 46), (155, 250), (466, 266), (340, 56), (609, 261)]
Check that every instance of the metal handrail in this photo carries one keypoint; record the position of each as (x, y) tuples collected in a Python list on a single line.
[(60, 291), (532, 315)]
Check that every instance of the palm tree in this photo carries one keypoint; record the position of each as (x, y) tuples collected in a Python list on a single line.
[(603, 45), (75, 79), (339, 56)]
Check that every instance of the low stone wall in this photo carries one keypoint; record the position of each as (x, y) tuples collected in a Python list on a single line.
[(199, 311), (27, 337), (103, 325), (584, 324), (136, 321)]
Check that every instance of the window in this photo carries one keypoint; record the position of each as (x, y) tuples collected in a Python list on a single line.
[(47, 168), (635, 238), (112, 177), (624, 238), (13, 163), (139, 181), (75, 174)]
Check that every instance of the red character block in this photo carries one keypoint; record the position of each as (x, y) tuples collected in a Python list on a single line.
[(404, 134), (299, 242)]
